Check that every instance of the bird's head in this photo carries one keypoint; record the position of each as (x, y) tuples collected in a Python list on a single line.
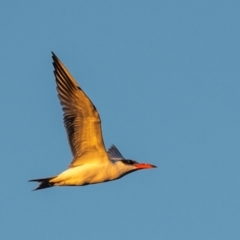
[(127, 166), (124, 166), (137, 166)]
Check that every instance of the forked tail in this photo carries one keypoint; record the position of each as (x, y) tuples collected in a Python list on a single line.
[(43, 183)]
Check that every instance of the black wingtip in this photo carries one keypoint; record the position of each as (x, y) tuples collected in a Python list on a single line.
[(55, 62), (54, 57)]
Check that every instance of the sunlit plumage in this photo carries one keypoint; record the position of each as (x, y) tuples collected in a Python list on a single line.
[(91, 163)]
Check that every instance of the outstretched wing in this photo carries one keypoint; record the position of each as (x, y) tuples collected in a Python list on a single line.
[(81, 118), (114, 154)]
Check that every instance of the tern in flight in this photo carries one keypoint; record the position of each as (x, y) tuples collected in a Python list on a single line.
[(91, 162)]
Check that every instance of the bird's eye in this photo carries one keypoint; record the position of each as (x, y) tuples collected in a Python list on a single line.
[(130, 162)]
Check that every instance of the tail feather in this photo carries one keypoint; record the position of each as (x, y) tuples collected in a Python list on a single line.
[(43, 183)]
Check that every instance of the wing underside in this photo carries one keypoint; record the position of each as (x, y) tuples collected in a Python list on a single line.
[(81, 118)]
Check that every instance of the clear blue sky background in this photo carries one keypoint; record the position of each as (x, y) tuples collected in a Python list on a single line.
[(165, 77)]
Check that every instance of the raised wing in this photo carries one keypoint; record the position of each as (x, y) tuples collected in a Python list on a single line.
[(114, 154), (81, 118)]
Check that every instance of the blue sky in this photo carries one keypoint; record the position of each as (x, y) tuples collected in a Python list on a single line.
[(164, 76)]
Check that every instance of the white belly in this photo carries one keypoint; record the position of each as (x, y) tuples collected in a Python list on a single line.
[(86, 174)]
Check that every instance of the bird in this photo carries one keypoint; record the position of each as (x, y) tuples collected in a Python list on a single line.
[(91, 162)]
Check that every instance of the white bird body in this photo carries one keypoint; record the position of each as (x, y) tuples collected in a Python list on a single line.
[(91, 162), (86, 174)]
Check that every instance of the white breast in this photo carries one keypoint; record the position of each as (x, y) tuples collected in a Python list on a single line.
[(89, 173)]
